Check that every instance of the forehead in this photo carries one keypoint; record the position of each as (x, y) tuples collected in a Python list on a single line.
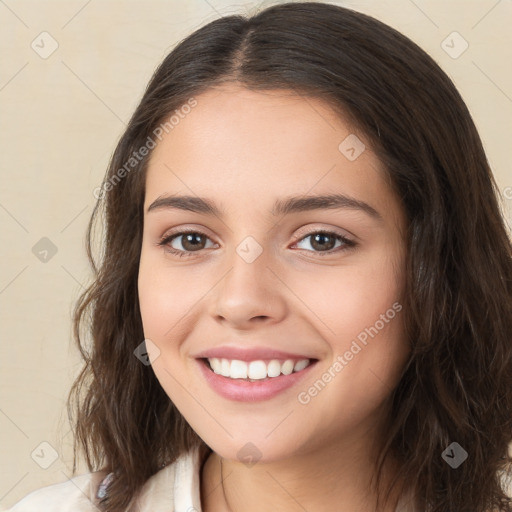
[(237, 144), (269, 121)]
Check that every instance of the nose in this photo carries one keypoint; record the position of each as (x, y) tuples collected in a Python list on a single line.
[(251, 292)]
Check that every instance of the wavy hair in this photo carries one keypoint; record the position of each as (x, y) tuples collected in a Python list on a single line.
[(456, 385)]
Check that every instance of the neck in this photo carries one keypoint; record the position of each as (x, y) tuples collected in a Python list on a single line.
[(337, 479)]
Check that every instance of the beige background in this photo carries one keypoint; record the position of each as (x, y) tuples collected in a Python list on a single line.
[(60, 120)]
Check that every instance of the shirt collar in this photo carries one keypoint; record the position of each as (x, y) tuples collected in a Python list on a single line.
[(187, 497)]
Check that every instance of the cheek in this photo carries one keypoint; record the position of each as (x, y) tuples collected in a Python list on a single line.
[(170, 300), (166, 296), (367, 361), (348, 299), (158, 306), (162, 305)]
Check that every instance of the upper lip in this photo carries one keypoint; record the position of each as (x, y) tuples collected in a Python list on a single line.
[(248, 354)]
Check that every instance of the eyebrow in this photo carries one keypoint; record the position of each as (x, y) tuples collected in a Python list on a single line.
[(281, 206)]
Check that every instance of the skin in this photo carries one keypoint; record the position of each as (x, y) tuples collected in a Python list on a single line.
[(245, 149)]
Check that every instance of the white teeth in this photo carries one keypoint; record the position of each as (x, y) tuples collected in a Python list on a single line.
[(300, 365), (238, 370), (287, 367), (225, 368), (274, 368), (215, 364), (256, 370)]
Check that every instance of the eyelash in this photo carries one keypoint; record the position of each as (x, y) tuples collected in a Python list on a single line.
[(166, 239)]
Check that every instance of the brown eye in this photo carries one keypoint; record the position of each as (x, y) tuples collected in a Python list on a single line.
[(322, 241), (192, 241), (325, 242), (184, 242)]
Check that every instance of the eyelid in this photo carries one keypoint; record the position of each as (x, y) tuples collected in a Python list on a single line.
[(169, 236), (348, 242), (296, 237), (319, 229), (182, 230)]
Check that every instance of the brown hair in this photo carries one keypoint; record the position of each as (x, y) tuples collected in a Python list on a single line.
[(457, 384)]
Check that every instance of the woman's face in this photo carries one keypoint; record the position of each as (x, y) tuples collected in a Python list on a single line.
[(255, 282)]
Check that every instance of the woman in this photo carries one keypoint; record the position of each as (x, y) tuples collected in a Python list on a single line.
[(304, 297)]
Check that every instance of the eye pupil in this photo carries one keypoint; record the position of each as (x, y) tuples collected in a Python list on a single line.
[(189, 239), (194, 241), (319, 239)]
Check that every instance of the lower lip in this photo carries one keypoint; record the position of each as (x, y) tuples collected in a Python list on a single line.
[(246, 391)]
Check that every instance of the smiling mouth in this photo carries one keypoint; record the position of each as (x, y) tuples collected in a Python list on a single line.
[(258, 370)]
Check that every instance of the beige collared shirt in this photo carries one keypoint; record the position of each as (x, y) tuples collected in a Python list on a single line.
[(174, 488)]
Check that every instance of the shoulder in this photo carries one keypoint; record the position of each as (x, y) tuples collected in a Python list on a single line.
[(175, 487), (176, 484), (75, 494)]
